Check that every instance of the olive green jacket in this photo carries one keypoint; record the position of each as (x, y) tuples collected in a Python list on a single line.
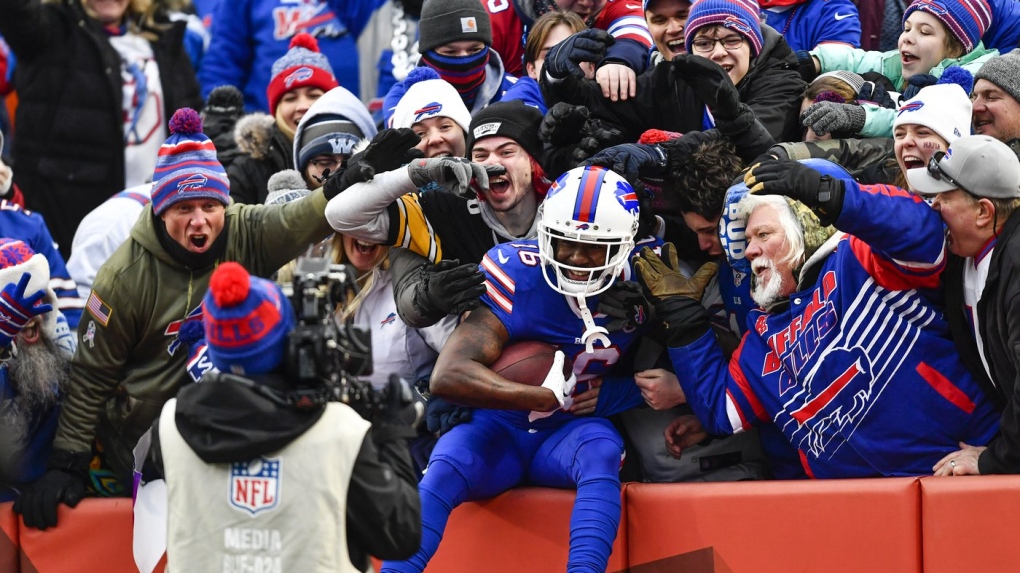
[(129, 361)]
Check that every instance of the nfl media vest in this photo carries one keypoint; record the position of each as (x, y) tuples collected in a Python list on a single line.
[(281, 512)]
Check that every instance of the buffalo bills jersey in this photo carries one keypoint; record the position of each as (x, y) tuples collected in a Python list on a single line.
[(814, 22), (509, 33), (22, 224), (1004, 32), (517, 293), (858, 372)]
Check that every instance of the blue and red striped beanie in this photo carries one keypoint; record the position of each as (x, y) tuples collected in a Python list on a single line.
[(246, 320), (967, 20), (187, 167), (741, 16)]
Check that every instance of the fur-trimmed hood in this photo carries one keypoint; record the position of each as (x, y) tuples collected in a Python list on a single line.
[(254, 133)]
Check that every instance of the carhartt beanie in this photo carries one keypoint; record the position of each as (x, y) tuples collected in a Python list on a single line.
[(1004, 72), (187, 167), (741, 16), (445, 21), (967, 20), (301, 66), (246, 319), (512, 119)]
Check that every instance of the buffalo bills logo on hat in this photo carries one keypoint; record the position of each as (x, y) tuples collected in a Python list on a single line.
[(298, 75), (627, 197), (912, 106), (738, 25), (425, 111), (196, 181), (255, 485), (932, 7)]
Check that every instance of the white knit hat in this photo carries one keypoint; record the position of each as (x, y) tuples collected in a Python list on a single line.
[(429, 96), (944, 108)]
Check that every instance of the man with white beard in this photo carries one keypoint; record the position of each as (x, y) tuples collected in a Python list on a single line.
[(35, 356), (848, 356)]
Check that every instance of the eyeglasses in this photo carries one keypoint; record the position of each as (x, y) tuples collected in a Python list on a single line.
[(323, 163), (706, 45), (938, 174)]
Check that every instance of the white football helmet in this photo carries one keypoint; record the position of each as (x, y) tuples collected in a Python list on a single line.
[(591, 205)]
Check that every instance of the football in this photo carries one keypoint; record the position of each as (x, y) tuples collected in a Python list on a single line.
[(527, 362)]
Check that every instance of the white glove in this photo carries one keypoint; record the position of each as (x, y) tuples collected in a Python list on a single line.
[(562, 388)]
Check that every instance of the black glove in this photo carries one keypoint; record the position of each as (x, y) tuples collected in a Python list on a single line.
[(915, 83), (448, 288), (403, 408), (821, 193), (632, 160), (710, 83), (585, 46), (441, 416), (64, 482), (876, 90), (388, 150), (840, 119), (563, 123), (627, 304), (648, 223), (596, 135), (806, 66)]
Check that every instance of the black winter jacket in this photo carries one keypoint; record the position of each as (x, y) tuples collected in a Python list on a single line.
[(999, 319), (70, 146), (263, 151), (772, 88)]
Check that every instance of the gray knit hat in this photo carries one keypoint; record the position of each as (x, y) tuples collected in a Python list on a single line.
[(1004, 72), (285, 186), (445, 21)]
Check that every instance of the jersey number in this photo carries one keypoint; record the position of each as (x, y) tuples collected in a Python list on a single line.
[(496, 6)]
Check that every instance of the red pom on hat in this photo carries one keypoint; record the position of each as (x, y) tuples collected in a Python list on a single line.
[(186, 121), (653, 136), (306, 41), (229, 284)]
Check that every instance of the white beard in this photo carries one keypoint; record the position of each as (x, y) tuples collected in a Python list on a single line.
[(766, 294)]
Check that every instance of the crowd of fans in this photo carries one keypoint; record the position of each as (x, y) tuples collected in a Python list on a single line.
[(834, 297)]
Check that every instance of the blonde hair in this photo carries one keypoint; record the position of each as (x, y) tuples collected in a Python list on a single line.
[(140, 16), (350, 307)]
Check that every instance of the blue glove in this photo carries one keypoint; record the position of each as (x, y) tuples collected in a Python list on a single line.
[(917, 83), (585, 46), (441, 416), (17, 308), (633, 160)]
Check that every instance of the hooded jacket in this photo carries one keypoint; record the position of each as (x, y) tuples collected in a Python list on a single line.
[(129, 360), (263, 151), (772, 88), (856, 369), (337, 101), (224, 421), (70, 146)]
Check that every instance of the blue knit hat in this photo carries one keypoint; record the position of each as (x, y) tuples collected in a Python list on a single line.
[(187, 167), (741, 16), (967, 20), (247, 320)]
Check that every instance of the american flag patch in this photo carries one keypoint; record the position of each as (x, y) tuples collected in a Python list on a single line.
[(98, 308)]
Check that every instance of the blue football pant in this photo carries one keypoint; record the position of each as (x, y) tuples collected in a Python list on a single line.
[(488, 455)]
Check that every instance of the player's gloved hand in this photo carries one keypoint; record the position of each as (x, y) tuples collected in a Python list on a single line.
[(453, 173), (564, 59), (916, 83), (840, 119), (562, 124), (626, 303), (821, 193), (648, 223), (677, 298), (710, 82), (561, 387), (441, 415), (18, 307), (64, 482), (632, 160), (388, 150), (448, 287), (596, 135)]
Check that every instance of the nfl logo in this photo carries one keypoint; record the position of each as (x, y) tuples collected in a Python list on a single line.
[(255, 485)]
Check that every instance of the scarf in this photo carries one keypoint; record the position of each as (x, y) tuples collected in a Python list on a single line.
[(465, 73)]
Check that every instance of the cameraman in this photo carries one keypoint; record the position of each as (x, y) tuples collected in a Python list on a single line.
[(260, 473)]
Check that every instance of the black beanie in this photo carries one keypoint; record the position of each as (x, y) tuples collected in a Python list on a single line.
[(445, 21), (512, 119)]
